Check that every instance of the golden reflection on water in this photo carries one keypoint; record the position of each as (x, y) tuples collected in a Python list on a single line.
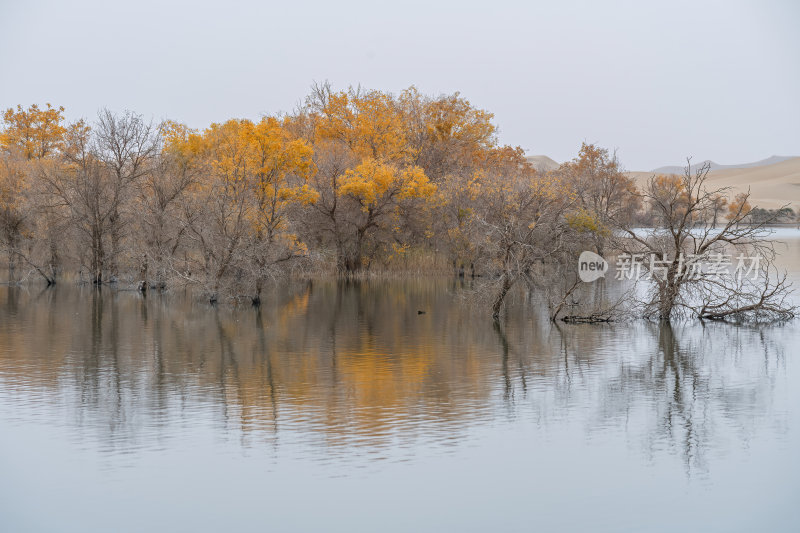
[(351, 369)]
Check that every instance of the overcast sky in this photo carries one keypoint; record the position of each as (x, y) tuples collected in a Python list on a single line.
[(658, 81)]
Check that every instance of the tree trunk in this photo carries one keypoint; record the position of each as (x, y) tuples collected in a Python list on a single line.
[(98, 258), (115, 249), (54, 259), (501, 296), (11, 258), (667, 297), (143, 275), (256, 300)]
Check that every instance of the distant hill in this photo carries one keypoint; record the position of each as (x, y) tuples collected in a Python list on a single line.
[(772, 182), (542, 163), (771, 185), (678, 169)]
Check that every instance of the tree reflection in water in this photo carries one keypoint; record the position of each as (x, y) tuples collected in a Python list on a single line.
[(350, 370)]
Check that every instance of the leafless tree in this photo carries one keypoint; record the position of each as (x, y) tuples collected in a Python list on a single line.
[(675, 254), (127, 145), (93, 185), (521, 223), (161, 229)]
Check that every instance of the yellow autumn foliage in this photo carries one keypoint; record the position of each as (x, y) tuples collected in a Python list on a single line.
[(372, 182), (584, 221), (36, 132), (370, 124)]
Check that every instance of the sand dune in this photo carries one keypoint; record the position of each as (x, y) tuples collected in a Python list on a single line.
[(773, 182), (678, 169), (542, 163), (771, 186)]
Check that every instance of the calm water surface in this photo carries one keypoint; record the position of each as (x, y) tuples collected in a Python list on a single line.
[(338, 407)]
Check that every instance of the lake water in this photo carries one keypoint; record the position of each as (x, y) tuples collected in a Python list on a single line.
[(338, 407)]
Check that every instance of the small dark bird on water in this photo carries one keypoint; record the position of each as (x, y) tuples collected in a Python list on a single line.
[(420, 312)]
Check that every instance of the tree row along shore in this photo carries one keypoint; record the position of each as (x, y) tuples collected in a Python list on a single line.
[(352, 182)]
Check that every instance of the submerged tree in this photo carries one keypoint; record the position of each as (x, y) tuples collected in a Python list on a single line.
[(281, 168), (695, 269), (91, 185), (30, 138), (13, 212), (367, 179), (355, 180), (160, 230), (128, 147), (521, 220), (245, 177)]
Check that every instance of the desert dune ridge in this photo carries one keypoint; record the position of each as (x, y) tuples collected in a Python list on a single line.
[(771, 186), (773, 182)]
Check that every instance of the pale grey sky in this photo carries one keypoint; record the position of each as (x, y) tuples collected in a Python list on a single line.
[(656, 80)]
